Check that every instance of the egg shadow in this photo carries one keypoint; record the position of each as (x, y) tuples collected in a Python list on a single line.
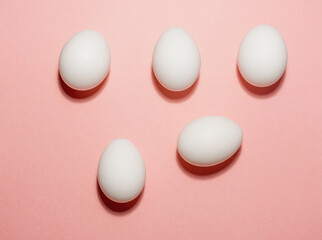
[(173, 96), (207, 172), (78, 95), (115, 207), (260, 92)]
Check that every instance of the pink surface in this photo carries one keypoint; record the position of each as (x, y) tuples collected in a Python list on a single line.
[(51, 141)]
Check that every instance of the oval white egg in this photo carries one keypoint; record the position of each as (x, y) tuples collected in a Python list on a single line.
[(262, 56), (176, 60), (209, 140), (121, 171), (84, 60)]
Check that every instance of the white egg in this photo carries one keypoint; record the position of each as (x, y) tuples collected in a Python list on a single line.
[(84, 60), (210, 140), (121, 171), (262, 56), (176, 60)]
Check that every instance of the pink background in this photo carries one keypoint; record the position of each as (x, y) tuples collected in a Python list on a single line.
[(51, 137)]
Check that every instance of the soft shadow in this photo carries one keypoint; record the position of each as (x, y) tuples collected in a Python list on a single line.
[(77, 95), (117, 208), (207, 172), (260, 92), (172, 96)]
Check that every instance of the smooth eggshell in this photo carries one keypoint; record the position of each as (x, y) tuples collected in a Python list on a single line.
[(84, 60), (262, 56), (176, 60), (210, 140), (121, 171)]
